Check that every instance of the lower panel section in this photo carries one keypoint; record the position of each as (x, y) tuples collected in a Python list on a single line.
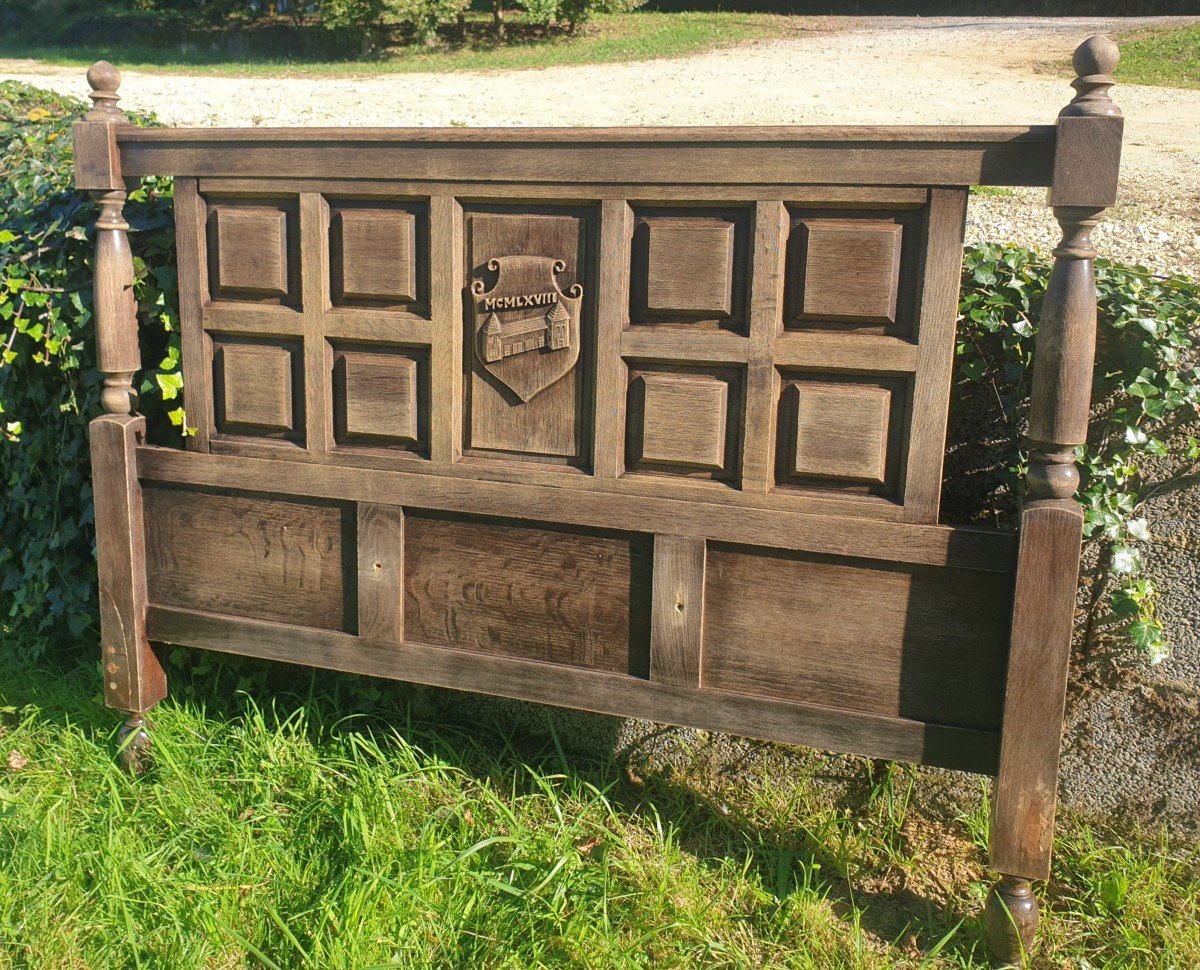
[(907, 641), (270, 558), (579, 597), (604, 693)]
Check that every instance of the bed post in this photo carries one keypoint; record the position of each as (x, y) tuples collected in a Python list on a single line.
[(1086, 162), (133, 678)]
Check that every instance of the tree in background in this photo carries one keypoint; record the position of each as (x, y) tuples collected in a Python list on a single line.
[(425, 16), (569, 12)]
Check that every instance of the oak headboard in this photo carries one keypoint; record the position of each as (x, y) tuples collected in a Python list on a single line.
[(648, 422)]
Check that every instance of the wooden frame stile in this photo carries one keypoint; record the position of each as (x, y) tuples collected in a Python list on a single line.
[(488, 415)]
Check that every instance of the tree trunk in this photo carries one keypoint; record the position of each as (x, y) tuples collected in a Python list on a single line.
[(498, 18)]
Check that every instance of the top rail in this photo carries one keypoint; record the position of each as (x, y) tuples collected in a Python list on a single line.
[(712, 134), (685, 156)]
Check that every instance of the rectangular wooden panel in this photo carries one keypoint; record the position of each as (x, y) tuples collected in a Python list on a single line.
[(378, 254), (562, 595), (854, 270), (903, 641), (523, 402), (254, 250), (684, 421), (841, 433), (270, 558), (689, 267), (258, 388), (677, 620), (381, 397)]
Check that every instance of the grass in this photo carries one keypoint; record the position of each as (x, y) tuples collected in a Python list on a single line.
[(1168, 58), (608, 39), (290, 832)]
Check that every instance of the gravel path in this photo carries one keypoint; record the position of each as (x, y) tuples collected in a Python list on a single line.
[(844, 71)]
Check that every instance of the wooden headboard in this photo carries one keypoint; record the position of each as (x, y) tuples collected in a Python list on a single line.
[(641, 421)]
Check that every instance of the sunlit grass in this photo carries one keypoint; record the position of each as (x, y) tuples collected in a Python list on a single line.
[(1169, 57), (283, 830)]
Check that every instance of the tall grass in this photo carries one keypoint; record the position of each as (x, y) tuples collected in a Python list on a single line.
[(290, 832)]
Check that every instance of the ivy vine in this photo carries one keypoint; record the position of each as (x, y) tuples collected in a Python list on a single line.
[(1148, 392)]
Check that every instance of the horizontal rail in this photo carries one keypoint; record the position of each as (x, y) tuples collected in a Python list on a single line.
[(685, 156), (668, 135), (861, 538), (852, 732)]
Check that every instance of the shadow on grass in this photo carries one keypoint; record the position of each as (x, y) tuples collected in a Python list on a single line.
[(490, 740)]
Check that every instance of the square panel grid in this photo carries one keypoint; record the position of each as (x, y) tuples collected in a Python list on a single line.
[(311, 316), (800, 352), (836, 390)]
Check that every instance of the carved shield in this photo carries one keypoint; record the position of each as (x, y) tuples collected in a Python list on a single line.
[(526, 328)]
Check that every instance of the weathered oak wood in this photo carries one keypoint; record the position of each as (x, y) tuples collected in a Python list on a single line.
[(935, 358), (1026, 789), (268, 558), (642, 421), (133, 678), (865, 156), (559, 594), (677, 611), (915, 642), (960, 547), (589, 690), (380, 548)]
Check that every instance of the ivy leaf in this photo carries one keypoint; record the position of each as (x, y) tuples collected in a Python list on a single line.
[(170, 385), (1139, 529), (1126, 561)]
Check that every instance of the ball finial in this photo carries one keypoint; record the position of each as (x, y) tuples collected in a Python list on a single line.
[(1095, 60), (102, 76), (1096, 55), (104, 80)]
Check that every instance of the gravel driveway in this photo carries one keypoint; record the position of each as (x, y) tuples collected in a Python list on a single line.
[(844, 71)]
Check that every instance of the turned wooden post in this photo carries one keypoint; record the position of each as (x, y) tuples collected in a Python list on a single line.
[(1086, 163), (133, 678)]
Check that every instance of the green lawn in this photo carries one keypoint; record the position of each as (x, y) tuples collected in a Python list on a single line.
[(609, 38), (292, 832), (1168, 58)]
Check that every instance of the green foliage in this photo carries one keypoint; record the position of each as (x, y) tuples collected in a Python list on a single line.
[(48, 382), (359, 15), (1148, 386), (576, 12), (424, 17)]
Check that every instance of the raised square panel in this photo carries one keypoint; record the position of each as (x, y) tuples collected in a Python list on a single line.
[(689, 267), (682, 422), (255, 389), (252, 251), (841, 431), (851, 270), (379, 397), (373, 255)]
